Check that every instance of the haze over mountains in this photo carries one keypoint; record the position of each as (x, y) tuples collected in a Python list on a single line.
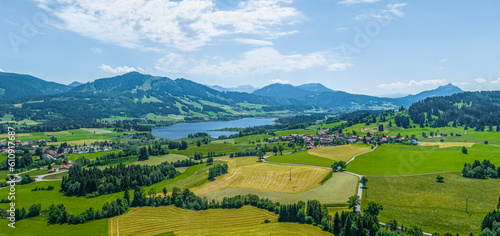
[(179, 93)]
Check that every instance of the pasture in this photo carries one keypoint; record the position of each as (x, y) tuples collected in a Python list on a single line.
[(38, 226), (336, 190), (302, 158), (150, 220), (91, 155), (268, 177), (340, 153), (436, 207), (156, 160), (395, 159)]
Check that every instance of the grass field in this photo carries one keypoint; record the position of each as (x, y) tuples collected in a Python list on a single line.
[(156, 160), (97, 131), (90, 156), (194, 176), (38, 226), (436, 207), (57, 176), (264, 176), (340, 153), (395, 159), (261, 229), (295, 131), (336, 190), (213, 147), (302, 158), (150, 221)]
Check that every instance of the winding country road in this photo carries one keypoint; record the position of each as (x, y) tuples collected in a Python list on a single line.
[(360, 186)]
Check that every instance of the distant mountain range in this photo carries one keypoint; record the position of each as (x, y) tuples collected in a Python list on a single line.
[(136, 95), (241, 88), (319, 94)]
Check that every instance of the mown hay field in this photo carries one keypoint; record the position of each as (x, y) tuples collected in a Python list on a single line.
[(340, 153), (264, 176), (151, 220), (336, 190)]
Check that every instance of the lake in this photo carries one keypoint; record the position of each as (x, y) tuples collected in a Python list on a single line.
[(182, 130)]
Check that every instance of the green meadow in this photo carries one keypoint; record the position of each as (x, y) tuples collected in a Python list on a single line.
[(395, 159), (436, 207)]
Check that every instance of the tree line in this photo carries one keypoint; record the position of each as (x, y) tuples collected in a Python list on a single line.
[(94, 181), (478, 170)]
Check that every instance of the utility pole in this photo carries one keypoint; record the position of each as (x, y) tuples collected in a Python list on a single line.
[(466, 203)]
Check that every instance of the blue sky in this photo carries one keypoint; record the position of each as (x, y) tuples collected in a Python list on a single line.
[(372, 47)]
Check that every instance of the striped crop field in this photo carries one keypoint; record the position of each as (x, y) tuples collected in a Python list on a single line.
[(150, 220)]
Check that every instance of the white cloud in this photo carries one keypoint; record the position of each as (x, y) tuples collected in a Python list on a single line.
[(260, 61), (341, 29), (395, 9), (279, 81), (186, 25), (411, 83), (1, 70), (255, 42), (97, 50), (497, 81), (172, 62), (351, 2), (117, 70), (390, 11), (479, 80), (460, 83), (443, 60), (339, 66)]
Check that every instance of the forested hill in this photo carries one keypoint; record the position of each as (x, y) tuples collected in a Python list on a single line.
[(14, 86), (321, 96), (471, 109)]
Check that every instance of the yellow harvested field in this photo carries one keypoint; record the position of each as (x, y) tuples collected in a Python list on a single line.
[(97, 131), (340, 153), (447, 144), (56, 133), (17, 135), (262, 229), (264, 176), (155, 220)]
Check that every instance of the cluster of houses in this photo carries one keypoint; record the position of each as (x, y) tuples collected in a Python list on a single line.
[(87, 149), (322, 139), (62, 168)]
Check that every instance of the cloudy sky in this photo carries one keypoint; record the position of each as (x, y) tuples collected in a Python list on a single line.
[(360, 46)]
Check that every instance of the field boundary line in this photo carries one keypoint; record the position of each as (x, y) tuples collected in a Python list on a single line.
[(354, 157), (443, 172)]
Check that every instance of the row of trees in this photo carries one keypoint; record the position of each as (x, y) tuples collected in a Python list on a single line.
[(478, 170), (217, 170)]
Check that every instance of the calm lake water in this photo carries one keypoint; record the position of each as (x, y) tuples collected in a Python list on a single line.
[(182, 130)]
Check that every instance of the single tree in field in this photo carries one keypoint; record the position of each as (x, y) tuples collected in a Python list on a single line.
[(260, 154), (353, 202), (464, 150), (363, 181), (198, 143), (280, 149), (373, 209), (165, 191), (275, 150), (210, 160), (381, 128), (485, 141), (440, 179)]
